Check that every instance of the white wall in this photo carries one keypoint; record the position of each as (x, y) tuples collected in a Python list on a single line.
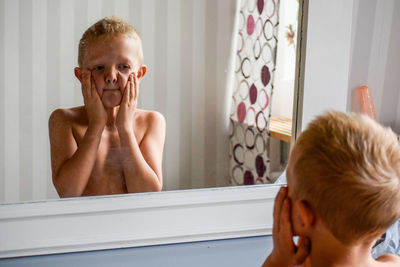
[(282, 104), (186, 48), (358, 47), (375, 58), (327, 61)]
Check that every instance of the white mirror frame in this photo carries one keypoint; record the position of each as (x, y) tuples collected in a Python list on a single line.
[(87, 224)]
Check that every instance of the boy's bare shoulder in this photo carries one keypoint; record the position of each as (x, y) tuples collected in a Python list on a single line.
[(389, 260), (68, 116), (149, 118)]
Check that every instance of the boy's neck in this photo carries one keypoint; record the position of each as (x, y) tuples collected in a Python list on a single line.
[(328, 251), (112, 118)]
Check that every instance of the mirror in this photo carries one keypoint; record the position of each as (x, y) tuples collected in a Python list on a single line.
[(187, 48)]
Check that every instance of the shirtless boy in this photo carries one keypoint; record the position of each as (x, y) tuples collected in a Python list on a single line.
[(107, 146), (343, 193)]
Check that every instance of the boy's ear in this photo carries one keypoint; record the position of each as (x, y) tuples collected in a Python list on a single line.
[(78, 73), (141, 72), (305, 217)]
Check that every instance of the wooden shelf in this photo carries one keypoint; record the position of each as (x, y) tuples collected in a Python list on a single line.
[(281, 129)]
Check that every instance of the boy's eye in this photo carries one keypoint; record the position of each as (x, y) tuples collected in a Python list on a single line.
[(124, 67), (98, 68)]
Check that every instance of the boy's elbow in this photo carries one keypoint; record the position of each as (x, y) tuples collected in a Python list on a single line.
[(158, 187), (64, 192), (155, 187), (67, 193), (159, 183)]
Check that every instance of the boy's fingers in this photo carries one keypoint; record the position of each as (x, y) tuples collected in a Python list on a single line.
[(85, 83), (303, 249), (286, 223), (127, 93), (93, 90), (129, 88), (135, 86), (278, 207)]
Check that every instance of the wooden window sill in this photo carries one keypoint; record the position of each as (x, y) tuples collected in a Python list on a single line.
[(281, 129)]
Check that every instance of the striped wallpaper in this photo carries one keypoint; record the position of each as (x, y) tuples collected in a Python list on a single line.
[(187, 45)]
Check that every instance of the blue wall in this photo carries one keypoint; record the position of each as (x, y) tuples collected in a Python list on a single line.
[(240, 252)]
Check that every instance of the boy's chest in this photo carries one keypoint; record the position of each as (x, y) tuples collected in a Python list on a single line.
[(109, 152), (109, 140), (107, 173)]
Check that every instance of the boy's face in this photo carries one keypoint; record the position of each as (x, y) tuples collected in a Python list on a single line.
[(111, 59)]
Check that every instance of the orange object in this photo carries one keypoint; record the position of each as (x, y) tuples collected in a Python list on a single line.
[(367, 104)]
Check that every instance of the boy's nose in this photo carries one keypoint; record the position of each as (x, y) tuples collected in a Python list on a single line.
[(111, 76)]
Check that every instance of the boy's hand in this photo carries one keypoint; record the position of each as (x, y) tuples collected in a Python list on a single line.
[(285, 252), (96, 112), (126, 113)]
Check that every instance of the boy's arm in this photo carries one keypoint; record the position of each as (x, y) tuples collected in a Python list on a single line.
[(72, 165), (285, 252), (141, 163)]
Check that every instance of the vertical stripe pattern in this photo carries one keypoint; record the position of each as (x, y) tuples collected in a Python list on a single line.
[(39, 139), (12, 102), (2, 103), (25, 120)]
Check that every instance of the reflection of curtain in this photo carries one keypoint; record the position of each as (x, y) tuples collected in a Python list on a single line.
[(252, 91)]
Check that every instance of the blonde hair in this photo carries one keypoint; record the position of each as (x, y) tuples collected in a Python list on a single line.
[(347, 169), (108, 26)]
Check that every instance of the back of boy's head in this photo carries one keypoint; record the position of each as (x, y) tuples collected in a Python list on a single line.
[(347, 169), (109, 26)]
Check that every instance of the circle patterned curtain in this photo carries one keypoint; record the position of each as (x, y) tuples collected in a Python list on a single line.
[(254, 72)]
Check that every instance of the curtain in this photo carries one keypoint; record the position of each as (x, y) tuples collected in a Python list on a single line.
[(255, 58)]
